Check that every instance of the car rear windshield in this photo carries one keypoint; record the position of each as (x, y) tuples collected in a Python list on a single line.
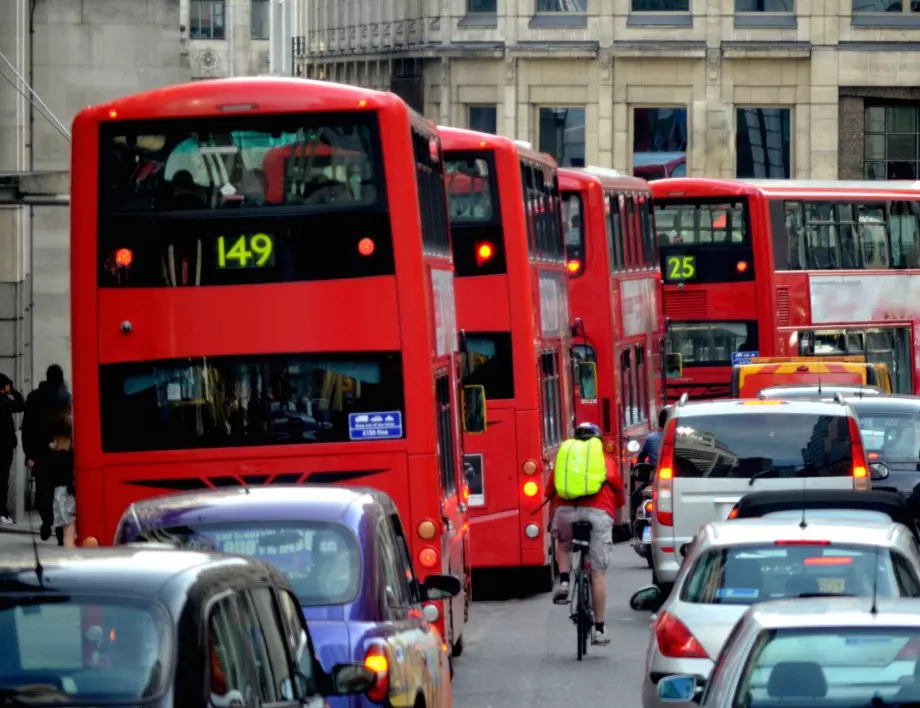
[(762, 445), (91, 650), (895, 436), (744, 575), (840, 666), (238, 401), (320, 559)]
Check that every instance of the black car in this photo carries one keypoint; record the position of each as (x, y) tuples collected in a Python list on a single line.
[(160, 627), (890, 427)]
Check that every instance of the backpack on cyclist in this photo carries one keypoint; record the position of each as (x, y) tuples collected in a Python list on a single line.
[(580, 469)]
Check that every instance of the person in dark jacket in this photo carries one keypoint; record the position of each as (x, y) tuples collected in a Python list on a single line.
[(11, 402), (43, 405)]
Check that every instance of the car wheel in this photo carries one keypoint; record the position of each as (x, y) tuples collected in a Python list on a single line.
[(457, 649)]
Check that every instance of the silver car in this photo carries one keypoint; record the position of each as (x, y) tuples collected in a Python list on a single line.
[(845, 652), (714, 452), (732, 565)]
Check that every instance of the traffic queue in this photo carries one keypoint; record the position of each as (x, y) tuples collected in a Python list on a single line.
[(780, 528)]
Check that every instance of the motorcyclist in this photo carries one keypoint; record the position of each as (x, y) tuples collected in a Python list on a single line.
[(648, 453), (600, 509)]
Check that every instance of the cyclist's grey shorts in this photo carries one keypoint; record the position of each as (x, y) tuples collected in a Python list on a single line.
[(601, 532)]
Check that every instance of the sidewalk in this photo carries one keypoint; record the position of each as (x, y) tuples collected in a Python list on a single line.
[(29, 522)]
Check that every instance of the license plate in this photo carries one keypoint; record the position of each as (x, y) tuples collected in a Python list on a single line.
[(647, 535), (834, 586)]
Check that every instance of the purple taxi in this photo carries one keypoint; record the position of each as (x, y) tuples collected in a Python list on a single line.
[(346, 556)]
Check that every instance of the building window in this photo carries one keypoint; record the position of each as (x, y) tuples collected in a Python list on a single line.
[(661, 5), (886, 6), (765, 6), (490, 6), (891, 142), (206, 19), (562, 135), (659, 142), (260, 23), (762, 143), (562, 5), (483, 118)]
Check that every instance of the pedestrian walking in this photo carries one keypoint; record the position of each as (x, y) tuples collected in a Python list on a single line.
[(59, 468), (43, 405), (11, 402)]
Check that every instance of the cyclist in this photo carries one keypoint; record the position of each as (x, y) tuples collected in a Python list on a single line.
[(649, 451), (598, 508)]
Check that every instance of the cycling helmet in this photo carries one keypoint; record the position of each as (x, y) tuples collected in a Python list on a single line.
[(586, 431)]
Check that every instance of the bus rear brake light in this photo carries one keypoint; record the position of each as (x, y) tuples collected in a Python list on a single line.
[(484, 252), (742, 266), (124, 257), (531, 489), (366, 246), (428, 557), (573, 266)]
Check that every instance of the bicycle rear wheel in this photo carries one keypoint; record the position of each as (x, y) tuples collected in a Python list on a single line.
[(586, 616), (579, 581)]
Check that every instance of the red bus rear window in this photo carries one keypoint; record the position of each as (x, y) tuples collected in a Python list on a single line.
[(237, 401), (242, 200)]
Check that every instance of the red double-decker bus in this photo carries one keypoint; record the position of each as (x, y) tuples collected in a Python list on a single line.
[(230, 333), (718, 281), (512, 309), (789, 268), (615, 303)]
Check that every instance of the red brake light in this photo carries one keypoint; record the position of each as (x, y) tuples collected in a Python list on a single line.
[(829, 560), (366, 246), (741, 266), (124, 257), (858, 453), (664, 475), (675, 640), (911, 650), (573, 266), (873, 456), (531, 488), (376, 660), (801, 542), (484, 252)]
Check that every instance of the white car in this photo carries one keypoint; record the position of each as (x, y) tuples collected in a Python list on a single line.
[(735, 564)]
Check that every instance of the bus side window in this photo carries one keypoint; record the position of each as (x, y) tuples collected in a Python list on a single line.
[(616, 226), (874, 236), (848, 237), (629, 249), (795, 233), (905, 236)]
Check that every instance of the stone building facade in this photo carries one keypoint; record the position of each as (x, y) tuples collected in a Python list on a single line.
[(809, 89)]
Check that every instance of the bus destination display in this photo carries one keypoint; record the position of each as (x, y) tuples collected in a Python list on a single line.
[(246, 251), (679, 268)]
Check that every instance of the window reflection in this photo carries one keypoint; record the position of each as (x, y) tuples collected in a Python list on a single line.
[(711, 343), (562, 135), (762, 143), (659, 141), (249, 400)]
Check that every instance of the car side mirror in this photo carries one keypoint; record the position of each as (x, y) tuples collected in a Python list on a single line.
[(678, 689), (441, 587), (647, 599), (879, 470), (587, 380), (349, 679), (673, 366), (474, 409), (642, 473)]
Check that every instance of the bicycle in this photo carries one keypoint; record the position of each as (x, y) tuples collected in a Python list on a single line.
[(581, 599)]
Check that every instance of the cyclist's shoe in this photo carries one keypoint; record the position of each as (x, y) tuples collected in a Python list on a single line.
[(561, 593), (601, 637)]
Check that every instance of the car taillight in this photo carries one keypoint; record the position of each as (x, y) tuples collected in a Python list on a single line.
[(733, 514), (911, 650), (376, 660), (665, 474), (858, 453), (675, 640), (801, 542), (428, 557)]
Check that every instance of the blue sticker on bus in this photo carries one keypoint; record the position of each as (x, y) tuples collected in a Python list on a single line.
[(743, 357), (386, 425)]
